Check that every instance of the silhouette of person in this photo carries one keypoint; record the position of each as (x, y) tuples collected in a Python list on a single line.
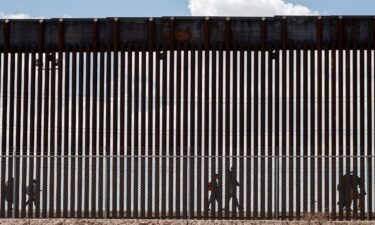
[(348, 190), (7, 191), (33, 192), (216, 191), (231, 188)]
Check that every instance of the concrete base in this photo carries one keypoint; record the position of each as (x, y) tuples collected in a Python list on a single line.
[(172, 222)]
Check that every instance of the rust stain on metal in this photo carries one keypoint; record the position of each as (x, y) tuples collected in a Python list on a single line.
[(182, 35)]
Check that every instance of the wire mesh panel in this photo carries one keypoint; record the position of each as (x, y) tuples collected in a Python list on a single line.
[(223, 189)]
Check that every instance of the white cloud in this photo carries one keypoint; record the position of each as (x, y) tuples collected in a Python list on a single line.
[(246, 8), (15, 16)]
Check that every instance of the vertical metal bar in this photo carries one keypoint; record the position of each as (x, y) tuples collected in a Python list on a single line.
[(277, 123), (263, 75), (150, 117), (311, 162), (25, 161), (234, 152), (59, 65), (122, 135), (88, 148), (312, 129), (270, 185), (326, 129), (214, 113), (42, 62), (11, 150), (137, 152), (200, 151), (32, 127), (192, 149), (108, 116), (80, 133), (355, 121), (341, 96), (39, 112), (157, 131), (227, 42), (220, 127), (248, 131), (14, 150), (66, 133), (116, 43), (73, 151), (164, 78), (206, 169), (171, 195), (362, 127), (164, 133), (242, 132), (333, 131), (6, 29), (129, 136), (305, 130), (298, 132), (143, 135), (157, 134), (94, 150), (291, 134), (348, 66), (18, 149), (320, 112), (185, 129), (284, 114), (52, 199), (256, 133), (45, 159), (101, 134), (179, 153)]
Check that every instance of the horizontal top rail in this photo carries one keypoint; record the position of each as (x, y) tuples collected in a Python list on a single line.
[(227, 33)]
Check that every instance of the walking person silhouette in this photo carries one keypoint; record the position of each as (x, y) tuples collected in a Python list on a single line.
[(7, 192), (348, 190), (231, 188), (33, 192), (216, 191)]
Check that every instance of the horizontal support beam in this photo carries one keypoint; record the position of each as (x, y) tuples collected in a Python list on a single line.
[(188, 32)]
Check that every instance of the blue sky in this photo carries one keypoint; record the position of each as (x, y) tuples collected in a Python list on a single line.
[(145, 8), (95, 8)]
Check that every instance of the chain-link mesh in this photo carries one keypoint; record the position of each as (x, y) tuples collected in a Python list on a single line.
[(188, 187)]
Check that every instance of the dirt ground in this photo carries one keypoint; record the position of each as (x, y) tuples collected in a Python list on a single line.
[(171, 222)]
